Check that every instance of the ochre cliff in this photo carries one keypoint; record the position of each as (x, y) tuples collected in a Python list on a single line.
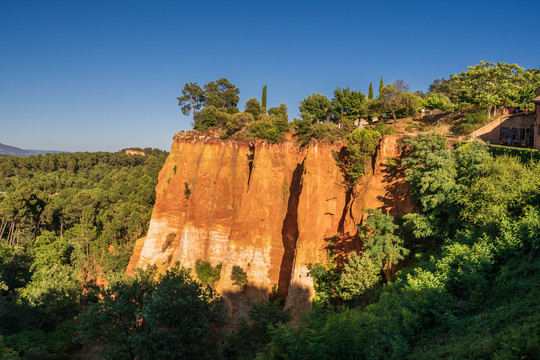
[(266, 208)]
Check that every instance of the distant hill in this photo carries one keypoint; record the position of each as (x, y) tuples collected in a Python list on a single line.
[(6, 150)]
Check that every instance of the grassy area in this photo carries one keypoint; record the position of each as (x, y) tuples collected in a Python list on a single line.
[(472, 120), (417, 127)]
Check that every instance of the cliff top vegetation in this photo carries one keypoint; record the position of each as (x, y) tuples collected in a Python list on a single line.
[(469, 93)]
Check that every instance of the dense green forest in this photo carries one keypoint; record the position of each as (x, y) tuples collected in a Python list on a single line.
[(67, 222), (471, 289)]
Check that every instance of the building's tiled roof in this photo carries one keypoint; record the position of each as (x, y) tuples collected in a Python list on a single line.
[(536, 99)]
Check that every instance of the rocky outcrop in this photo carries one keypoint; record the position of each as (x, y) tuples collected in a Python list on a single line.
[(264, 207), (135, 152)]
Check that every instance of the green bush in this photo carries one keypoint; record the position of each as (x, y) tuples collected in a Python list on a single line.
[(280, 111), (473, 120), (236, 123), (354, 159), (463, 128), (305, 130), (265, 129), (282, 124), (524, 155), (476, 116), (239, 276), (232, 110), (251, 336), (384, 129), (187, 191), (206, 272), (173, 316), (223, 118), (253, 107), (206, 119), (438, 101)]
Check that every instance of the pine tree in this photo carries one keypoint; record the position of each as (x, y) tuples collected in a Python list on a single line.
[(381, 85), (263, 101), (370, 93)]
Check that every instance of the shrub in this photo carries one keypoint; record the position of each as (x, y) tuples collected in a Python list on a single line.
[(472, 121), (525, 155), (173, 316), (384, 129), (206, 272), (327, 132), (187, 191), (206, 119), (253, 107), (236, 123), (437, 101), (305, 130), (280, 111), (168, 241), (463, 128), (456, 117), (251, 337), (265, 129), (361, 146), (477, 116), (239, 276), (281, 123), (232, 110), (223, 118)]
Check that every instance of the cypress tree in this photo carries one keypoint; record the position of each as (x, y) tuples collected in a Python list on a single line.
[(263, 101), (381, 85), (370, 93)]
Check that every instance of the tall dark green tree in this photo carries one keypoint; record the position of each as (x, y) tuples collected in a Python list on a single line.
[(263, 100), (316, 106), (370, 93), (206, 118), (395, 98), (280, 111), (192, 98), (348, 104), (221, 94), (172, 317), (253, 106), (382, 245), (490, 84), (381, 86)]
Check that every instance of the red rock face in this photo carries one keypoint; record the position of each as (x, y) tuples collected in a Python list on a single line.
[(265, 208)]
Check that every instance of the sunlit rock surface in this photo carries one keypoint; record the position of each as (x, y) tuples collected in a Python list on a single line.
[(267, 208)]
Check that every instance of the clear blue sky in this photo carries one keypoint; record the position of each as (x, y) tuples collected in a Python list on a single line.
[(104, 75)]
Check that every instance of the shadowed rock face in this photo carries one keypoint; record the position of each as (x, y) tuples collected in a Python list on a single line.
[(266, 208)]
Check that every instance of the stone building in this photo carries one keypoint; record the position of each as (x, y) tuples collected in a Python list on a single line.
[(516, 130), (536, 129)]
